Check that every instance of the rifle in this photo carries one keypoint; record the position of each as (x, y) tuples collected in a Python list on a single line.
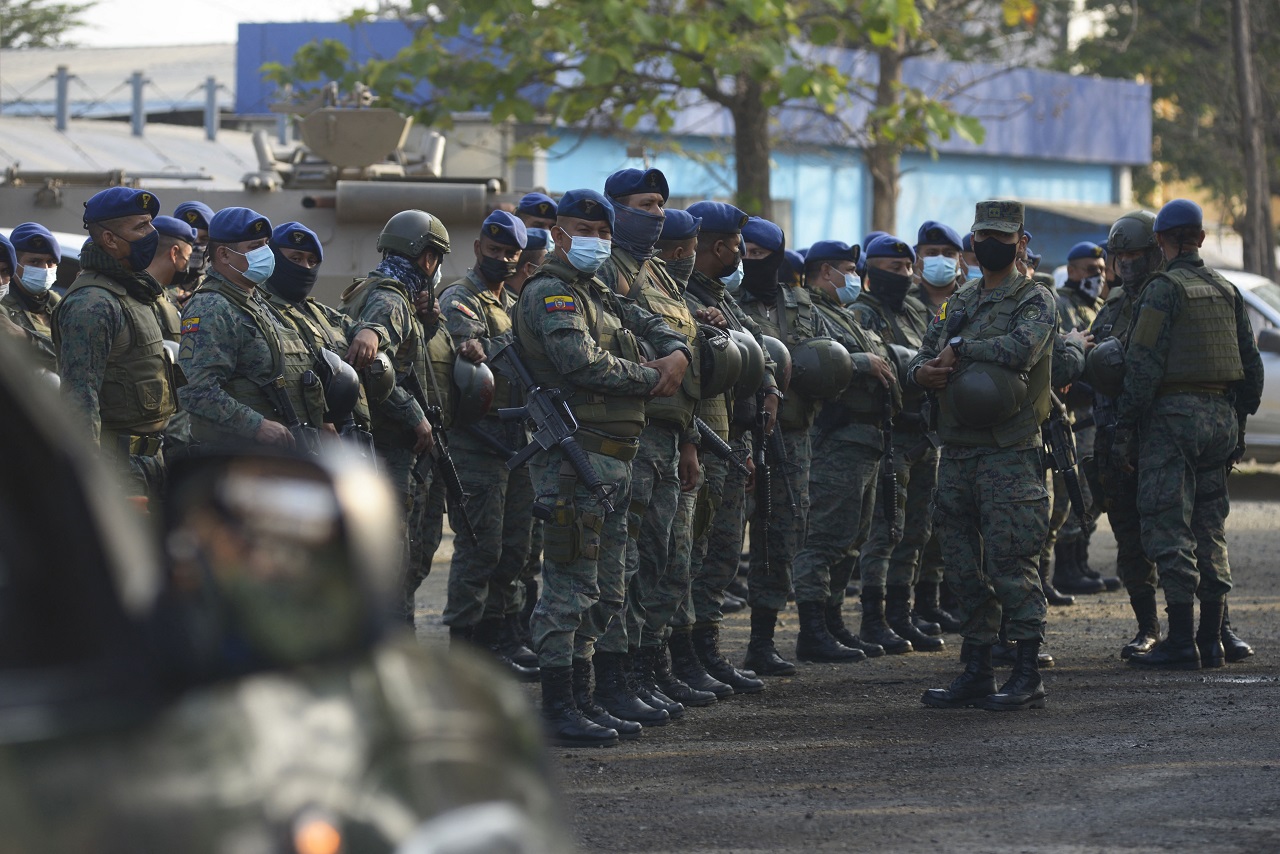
[(439, 454), (307, 438), (928, 413), (764, 479), (778, 452), (1061, 444), (717, 446), (888, 492), (360, 438), (554, 425)]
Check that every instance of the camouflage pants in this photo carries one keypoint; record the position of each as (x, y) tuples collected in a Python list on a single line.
[(1059, 510), (682, 561), (584, 557), (885, 560), (769, 586), (517, 523), (991, 513), (713, 563), (397, 463), (842, 493), (1182, 494), (932, 567), (1136, 572)]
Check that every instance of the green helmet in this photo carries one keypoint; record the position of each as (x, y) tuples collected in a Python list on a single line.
[(1104, 367), (781, 361), (341, 385), (1133, 231), (900, 357), (473, 391), (820, 368), (752, 364), (379, 379), (720, 361), (983, 394), (410, 233)]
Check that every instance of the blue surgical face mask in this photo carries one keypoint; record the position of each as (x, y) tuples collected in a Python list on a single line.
[(939, 270), (733, 281), (588, 254), (262, 263), (38, 280), (849, 291)]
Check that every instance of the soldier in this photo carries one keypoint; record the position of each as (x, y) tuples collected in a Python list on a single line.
[(968, 257), (941, 268), (988, 356), (109, 332), (535, 252), (1187, 405), (575, 334), (197, 215), (174, 248), (482, 576), (30, 301), (537, 210)]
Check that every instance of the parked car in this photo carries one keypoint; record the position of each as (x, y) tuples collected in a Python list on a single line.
[(1262, 297)]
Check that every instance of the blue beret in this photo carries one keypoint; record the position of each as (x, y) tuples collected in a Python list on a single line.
[(505, 228), (718, 217), (933, 233), (7, 255), (792, 265), (1033, 259), (1177, 213), (238, 225), (968, 242), (888, 246), (586, 204), (537, 238), (1029, 235), (195, 214), (832, 250), (679, 225), (627, 182), (295, 235), (803, 252), (120, 201), (1085, 249), (173, 227), (764, 234), (34, 237), (537, 204)]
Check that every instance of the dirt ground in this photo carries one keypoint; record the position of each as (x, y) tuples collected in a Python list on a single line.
[(845, 757)]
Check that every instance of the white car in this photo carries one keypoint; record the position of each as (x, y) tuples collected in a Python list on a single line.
[(1262, 298)]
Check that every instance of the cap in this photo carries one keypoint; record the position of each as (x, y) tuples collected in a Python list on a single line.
[(888, 246), (1178, 213), (832, 250), (763, 233), (120, 201), (238, 225), (586, 204), (934, 233), (536, 238), (174, 227), (627, 182), (34, 237), (295, 235), (537, 204), (1085, 249), (718, 217), (1033, 259), (196, 214), (505, 228), (679, 225), (998, 215)]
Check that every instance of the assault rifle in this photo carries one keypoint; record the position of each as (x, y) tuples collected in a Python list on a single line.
[(1061, 444), (764, 479), (888, 491), (443, 460), (717, 446), (306, 437)]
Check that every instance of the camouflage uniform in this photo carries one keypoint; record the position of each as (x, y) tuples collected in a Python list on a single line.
[(931, 565), (1076, 311), (36, 318)]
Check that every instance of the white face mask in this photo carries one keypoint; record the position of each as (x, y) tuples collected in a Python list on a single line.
[(38, 280), (850, 290)]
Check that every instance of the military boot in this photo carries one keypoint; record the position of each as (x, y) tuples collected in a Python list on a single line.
[(1067, 577), (762, 655), (874, 628), (929, 606), (689, 668), (592, 710), (1110, 582), (487, 635), (834, 616), (970, 688), (815, 644), (1177, 651), (669, 684), (732, 604), (613, 691), (1236, 649), (1005, 652), (564, 724), (1024, 689), (897, 613), (1052, 595), (1144, 608), (511, 643), (1209, 635), (640, 681), (705, 644)]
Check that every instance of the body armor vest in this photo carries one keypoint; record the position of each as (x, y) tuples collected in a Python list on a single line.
[(654, 289), (313, 325), (864, 394), (497, 322), (1115, 315), (795, 321), (903, 330), (1205, 349)]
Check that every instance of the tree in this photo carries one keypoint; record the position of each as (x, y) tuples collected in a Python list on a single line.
[(38, 23)]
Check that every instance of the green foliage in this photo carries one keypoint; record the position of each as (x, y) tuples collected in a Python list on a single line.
[(38, 23)]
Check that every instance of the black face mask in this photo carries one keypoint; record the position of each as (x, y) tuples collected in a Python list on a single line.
[(1134, 270), (291, 281), (995, 255), (195, 269), (760, 276), (494, 270), (681, 269), (888, 287)]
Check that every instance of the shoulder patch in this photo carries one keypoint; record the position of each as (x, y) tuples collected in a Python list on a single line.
[(942, 310), (462, 307), (1031, 313), (560, 302), (190, 324)]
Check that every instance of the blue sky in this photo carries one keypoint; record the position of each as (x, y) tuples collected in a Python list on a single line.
[(129, 23)]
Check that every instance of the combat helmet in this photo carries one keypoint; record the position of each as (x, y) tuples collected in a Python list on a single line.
[(983, 394), (1132, 232), (900, 357), (752, 364), (410, 233), (1104, 367), (821, 368), (379, 379), (341, 385), (781, 361), (473, 386), (720, 360)]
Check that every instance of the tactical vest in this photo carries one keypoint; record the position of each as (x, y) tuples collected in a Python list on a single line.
[(1204, 349), (311, 323), (1115, 316), (714, 411), (654, 289), (863, 397), (618, 415), (38, 323), (291, 359), (170, 319), (796, 321), (138, 383), (1035, 409), (497, 322)]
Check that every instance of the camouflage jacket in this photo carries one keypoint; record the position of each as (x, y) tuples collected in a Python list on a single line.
[(37, 320), (1076, 310)]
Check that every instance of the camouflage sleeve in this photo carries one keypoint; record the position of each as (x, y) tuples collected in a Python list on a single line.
[(465, 320), (652, 328), (1030, 338), (388, 310), (931, 346), (1066, 313), (1068, 361), (351, 328), (1148, 348), (1247, 393), (753, 329), (88, 322), (208, 356)]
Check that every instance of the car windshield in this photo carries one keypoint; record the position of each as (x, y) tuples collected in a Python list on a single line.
[(1269, 293)]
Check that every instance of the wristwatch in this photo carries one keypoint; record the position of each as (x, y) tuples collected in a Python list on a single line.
[(956, 344), (774, 391)]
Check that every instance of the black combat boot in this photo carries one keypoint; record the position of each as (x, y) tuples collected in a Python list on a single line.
[(874, 628), (564, 724), (592, 710), (815, 644), (1025, 689), (762, 655), (669, 684), (1005, 652), (1067, 576), (688, 667), (641, 682), (613, 691), (1177, 651), (834, 616), (705, 644), (1110, 582), (460, 636), (1236, 649), (732, 604), (929, 606), (897, 613), (970, 688), (511, 643), (1052, 595), (488, 635), (1144, 608), (1209, 635)]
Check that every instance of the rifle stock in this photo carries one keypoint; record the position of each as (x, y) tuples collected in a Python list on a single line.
[(1062, 451), (717, 446)]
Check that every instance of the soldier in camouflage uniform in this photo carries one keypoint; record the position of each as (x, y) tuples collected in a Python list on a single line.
[(109, 332), (30, 301), (174, 251), (197, 215), (537, 210), (992, 508), (574, 333), (1188, 404)]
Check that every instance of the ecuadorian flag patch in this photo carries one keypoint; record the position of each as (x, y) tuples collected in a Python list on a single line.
[(190, 324), (563, 302), (462, 307)]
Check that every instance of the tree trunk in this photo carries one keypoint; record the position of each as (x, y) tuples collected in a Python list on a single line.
[(751, 148), (1256, 230), (883, 156)]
